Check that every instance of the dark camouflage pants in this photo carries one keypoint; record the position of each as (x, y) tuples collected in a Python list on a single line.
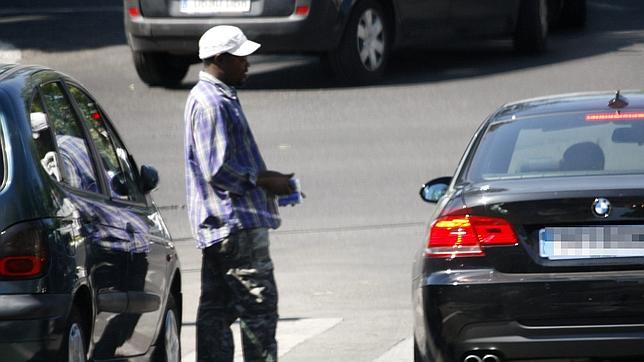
[(237, 282)]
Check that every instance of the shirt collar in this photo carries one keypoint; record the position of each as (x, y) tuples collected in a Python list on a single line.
[(229, 92)]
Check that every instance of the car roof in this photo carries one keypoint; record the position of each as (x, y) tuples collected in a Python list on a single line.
[(8, 71), (571, 102), (16, 75), (5, 67)]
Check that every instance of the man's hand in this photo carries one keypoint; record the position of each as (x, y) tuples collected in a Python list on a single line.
[(275, 182)]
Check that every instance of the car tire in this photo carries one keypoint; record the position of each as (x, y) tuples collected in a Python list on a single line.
[(531, 33), (169, 342), (75, 340), (554, 13), (159, 69), (573, 14), (362, 54)]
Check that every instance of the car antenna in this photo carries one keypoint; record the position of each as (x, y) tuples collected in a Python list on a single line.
[(618, 102)]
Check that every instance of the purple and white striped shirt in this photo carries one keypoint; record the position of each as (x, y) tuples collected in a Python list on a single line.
[(222, 164)]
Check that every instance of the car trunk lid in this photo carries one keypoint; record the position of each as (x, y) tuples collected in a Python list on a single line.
[(559, 229)]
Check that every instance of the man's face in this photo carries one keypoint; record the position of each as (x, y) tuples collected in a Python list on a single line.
[(235, 69)]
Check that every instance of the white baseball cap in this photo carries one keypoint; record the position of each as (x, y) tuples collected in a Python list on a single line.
[(38, 123), (225, 39)]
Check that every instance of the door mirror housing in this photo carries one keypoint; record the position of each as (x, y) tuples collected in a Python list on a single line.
[(433, 190), (149, 179)]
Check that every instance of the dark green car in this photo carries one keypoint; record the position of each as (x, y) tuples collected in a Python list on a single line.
[(88, 270)]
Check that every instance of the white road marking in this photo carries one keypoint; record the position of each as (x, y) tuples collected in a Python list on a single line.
[(401, 352), (290, 333), (9, 54)]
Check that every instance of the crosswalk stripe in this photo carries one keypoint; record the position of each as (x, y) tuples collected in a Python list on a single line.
[(403, 351), (290, 333), (8, 53)]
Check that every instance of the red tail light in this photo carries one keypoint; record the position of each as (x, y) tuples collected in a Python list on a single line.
[(133, 11), (23, 250), (467, 235), (302, 11), (21, 266)]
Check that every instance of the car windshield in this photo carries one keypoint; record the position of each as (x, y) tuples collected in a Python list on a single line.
[(570, 144)]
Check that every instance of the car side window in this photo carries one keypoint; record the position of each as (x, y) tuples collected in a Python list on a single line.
[(129, 167), (73, 149), (114, 158), (94, 121), (43, 138)]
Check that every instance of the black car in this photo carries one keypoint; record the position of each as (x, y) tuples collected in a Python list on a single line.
[(536, 246), (355, 36), (87, 266)]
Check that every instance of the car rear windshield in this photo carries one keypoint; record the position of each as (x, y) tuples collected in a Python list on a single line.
[(560, 145)]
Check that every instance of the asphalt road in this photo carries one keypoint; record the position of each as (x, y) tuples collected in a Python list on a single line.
[(343, 257)]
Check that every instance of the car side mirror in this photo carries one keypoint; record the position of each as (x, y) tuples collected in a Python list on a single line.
[(149, 178), (433, 190)]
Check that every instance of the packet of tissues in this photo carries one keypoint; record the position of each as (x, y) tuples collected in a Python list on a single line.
[(294, 197)]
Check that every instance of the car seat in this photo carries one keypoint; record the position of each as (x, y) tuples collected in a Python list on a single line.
[(583, 156)]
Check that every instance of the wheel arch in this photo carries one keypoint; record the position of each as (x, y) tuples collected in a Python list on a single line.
[(83, 302)]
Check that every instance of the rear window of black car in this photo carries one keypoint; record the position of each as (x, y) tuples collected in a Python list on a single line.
[(558, 145)]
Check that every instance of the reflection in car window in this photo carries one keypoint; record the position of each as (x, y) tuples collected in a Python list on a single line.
[(116, 160), (558, 146), (78, 171), (1, 164), (129, 167), (43, 139), (2, 153), (94, 121)]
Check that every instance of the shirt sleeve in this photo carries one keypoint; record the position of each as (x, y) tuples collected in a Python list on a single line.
[(213, 155)]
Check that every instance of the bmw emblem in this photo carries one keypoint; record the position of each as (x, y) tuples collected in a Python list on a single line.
[(601, 207)]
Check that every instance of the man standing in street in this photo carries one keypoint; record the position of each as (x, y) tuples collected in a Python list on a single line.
[(231, 204)]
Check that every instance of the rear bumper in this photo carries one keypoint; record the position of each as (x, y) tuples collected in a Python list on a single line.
[(317, 32), (32, 325), (523, 316), (512, 340)]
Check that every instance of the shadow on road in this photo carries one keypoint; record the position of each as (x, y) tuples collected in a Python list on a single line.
[(64, 25)]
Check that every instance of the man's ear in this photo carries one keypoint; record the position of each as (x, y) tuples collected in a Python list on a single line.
[(219, 58)]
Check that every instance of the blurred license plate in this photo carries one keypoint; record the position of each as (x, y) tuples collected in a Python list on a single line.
[(615, 241), (214, 6)]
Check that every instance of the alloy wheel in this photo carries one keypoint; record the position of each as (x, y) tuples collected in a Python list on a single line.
[(76, 345), (172, 343), (371, 40)]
